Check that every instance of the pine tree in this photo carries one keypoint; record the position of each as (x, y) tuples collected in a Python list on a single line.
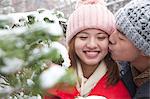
[(28, 49)]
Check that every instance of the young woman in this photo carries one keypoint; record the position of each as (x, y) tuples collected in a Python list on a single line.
[(131, 43), (87, 39)]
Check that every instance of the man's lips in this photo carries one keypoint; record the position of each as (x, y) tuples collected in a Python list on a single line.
[(110, 48)]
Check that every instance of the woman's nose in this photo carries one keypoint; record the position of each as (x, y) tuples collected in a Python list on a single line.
[(92, 43)]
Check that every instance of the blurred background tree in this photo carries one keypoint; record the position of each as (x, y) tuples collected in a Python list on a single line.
[(29, 47), (66, 6)]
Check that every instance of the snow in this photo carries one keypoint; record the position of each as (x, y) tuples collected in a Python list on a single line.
[(2, 52), (12, 65), (30, 82), (5, 89), (20, 20), (53, 45), (64, 53), (15, 31), (51, 76)]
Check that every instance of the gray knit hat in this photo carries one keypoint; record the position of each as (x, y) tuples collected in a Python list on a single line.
[(133, 20)]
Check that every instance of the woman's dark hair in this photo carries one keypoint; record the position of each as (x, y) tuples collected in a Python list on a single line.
[(113, 71)]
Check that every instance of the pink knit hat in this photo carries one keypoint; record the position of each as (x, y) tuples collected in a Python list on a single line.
[(90, 14)]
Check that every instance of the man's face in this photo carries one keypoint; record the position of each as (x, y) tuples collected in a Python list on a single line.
[(121, 48)]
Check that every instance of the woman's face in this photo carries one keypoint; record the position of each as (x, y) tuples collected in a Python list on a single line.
[(121, 48), (91, 46)]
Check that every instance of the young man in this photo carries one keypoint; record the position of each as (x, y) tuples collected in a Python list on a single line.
[(131, 43)]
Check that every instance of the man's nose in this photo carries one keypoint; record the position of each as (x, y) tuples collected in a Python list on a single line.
[(112, 38)]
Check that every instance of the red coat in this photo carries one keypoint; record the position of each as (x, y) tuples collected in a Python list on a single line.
[(118, 91)]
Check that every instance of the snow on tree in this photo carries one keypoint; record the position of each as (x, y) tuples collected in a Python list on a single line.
[(29, 47)]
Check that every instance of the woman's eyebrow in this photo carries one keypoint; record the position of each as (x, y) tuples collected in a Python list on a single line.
[(82, 33)]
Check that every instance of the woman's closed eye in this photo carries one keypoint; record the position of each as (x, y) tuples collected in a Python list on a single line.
[(101, 38), (83, 37)]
